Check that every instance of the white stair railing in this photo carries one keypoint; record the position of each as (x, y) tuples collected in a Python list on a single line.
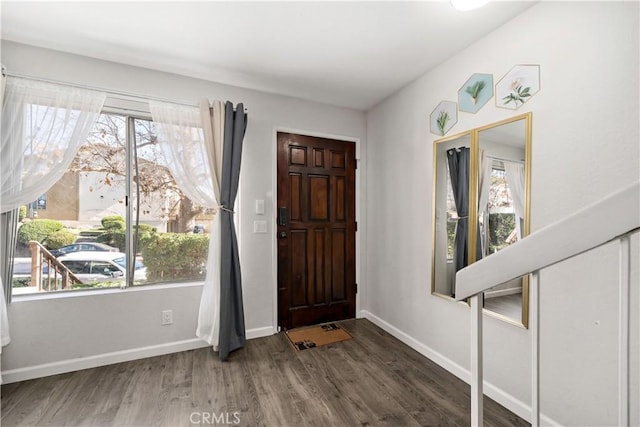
[(583, 231)]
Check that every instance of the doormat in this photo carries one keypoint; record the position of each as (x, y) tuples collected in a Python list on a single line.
[(316, 336)]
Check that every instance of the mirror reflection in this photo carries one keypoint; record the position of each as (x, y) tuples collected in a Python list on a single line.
[(502, 204), (481, 206), (452, 161)]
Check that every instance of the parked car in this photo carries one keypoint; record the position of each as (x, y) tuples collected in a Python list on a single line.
[(96, 267), (82, 247), (22, 270)]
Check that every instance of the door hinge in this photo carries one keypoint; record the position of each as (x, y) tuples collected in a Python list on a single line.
[(356, 225), (356, 286), (355, 163)]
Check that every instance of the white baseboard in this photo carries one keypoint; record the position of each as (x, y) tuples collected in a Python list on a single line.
[(260, 332), (70, 365), (505, 399)]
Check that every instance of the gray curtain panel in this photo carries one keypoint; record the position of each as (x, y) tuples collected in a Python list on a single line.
[(458, 160), (8, 238), (232, 330)]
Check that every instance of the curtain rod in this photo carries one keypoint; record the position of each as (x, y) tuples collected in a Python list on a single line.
[(108, 91)]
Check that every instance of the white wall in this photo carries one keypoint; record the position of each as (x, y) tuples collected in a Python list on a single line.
[(60, 329), (585, 146)]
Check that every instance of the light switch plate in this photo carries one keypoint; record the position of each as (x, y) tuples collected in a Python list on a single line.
[(259, 207), (259, 226)]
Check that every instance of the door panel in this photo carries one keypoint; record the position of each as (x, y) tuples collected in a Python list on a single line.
[(338, 260), (295, 204), (316, 243), (319, 193)]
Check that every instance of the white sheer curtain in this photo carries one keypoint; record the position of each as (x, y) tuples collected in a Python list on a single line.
[(42, 127), (185, 138), (5, 337), (212, 117), (515, 181)]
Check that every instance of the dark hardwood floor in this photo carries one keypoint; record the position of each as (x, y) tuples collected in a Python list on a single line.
[(373, 379)]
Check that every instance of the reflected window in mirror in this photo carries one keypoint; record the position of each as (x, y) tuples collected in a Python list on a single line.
[(501, 224), (499, 227), (452, 218)]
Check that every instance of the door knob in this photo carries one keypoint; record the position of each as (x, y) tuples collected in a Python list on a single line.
[(282, 235)]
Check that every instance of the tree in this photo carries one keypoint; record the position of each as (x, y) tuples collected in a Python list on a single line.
[(105, 152), (499, 190)]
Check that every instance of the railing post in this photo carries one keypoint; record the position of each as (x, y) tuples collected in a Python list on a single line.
[(534, 328), (476, 361), (36, 265), (64, 279), (623, 330)]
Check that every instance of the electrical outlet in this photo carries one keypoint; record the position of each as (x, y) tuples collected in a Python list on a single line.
[(167, 317)]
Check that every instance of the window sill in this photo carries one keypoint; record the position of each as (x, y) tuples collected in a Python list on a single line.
[(103, 291)]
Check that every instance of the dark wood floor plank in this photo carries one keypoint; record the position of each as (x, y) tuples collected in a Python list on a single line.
[(207, 387), (33, 400), (383, 409), (140, 397), (66, 399), (344, 410), (422, 407), (317, 405), (174, 397), (371, 380), (241, 392), (272, 390), (102, 402), (428, 379)]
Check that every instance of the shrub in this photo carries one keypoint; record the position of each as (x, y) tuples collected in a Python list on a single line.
[(114, 232), (91, 233), (38, 230), (22, 213), (21, 282), (115, 238), (501, 225), (113, 222), (145, 229), (175, 256), (59, 239)]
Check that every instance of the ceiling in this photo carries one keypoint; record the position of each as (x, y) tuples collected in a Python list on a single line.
[(351, 54)]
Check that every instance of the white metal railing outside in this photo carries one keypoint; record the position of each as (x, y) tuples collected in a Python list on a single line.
[(587, 229)]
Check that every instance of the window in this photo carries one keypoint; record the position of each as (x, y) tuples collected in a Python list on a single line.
[(498, 222), (116, 202), (452, 217)]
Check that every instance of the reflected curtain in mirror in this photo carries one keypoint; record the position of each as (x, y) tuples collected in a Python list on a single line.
[(515, 178), (458, 161)]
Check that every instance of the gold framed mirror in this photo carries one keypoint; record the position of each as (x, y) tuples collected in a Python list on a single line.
[(481, 204)]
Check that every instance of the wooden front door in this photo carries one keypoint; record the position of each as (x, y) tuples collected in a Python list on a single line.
[(316, 230)]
